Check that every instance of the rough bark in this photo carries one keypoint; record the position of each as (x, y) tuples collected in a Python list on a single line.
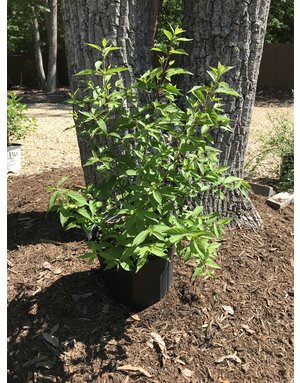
[(231, 32), (51, 27), (129, 24), (37, 49)]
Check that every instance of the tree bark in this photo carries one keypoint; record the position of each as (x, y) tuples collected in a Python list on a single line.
[(38, 50), (129, 24), (231, 32), (51, 27)]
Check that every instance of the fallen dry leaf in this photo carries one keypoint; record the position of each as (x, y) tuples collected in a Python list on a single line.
[(247, 329), (233, 357), (178, 360), (135, 317), (129, 367), (41, 275), (221, 380), (57, 271), (228, 309), (187, 373), (112, 342), (46, 266), (157, 339)]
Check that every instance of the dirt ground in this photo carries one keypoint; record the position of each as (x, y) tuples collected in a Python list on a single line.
[(63, 326)]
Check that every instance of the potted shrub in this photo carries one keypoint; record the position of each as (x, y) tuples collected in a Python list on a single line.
[(156, 157), (18, 126)]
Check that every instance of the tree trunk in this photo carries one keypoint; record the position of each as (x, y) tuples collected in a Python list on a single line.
[(38, 50), (231, 32), (51, 27), (129, 24)]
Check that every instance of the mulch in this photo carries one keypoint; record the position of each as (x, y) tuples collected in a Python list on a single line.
[(63, 326)]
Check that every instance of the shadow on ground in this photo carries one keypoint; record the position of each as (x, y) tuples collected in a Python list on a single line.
[(33, 227), (83, 320)]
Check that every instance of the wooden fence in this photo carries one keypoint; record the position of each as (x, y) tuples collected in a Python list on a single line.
[(277, 67), (276, 70)]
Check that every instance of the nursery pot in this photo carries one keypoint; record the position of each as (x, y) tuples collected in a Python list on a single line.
[(143, 288), (13, 158)]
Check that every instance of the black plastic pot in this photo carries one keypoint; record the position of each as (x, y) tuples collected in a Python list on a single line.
[(143, 288)]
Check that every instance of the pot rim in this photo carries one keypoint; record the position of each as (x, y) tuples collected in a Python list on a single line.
[(12, 145)]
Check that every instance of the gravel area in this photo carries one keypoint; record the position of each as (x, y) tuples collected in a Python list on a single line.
[(52, 146)]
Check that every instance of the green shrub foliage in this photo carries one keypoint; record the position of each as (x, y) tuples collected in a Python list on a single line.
[(155, 156), (18, 124)]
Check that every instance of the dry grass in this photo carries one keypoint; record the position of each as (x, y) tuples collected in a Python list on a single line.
[(262, 126)]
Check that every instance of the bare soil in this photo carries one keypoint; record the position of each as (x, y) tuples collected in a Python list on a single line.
[(237, 327)]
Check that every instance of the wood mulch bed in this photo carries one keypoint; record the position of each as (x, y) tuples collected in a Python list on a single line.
[(235, 328)]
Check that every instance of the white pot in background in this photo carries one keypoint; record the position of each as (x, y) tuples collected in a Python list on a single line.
[(14, 158)]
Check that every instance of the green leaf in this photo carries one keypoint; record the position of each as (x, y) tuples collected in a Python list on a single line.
[(199, 272), (212, 75), (160, 228), (77, 197), (53, 200), (64, 216), (187, 254), (228, 90), (98, 64), (125, 266), (216, 230), (114, 134), (91, 161), (102, 125), (140, 262), (157, 196), (231, 179), (86, 72), (131, 172), (224, 221), (211, 263), (95, 46), (110, 49), (104, 42), (157, 49), (197, 91), (157, 250), (88, 256), (72, 225), (84, 213), (140, 237), (176, 238), (62, 181), (177, 230), (174, 71), (116, 70), (183, 39), (178, 52), (178, 31), (168, 34)]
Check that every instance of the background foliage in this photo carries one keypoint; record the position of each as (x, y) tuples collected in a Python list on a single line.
[(280, 22)]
